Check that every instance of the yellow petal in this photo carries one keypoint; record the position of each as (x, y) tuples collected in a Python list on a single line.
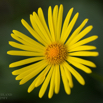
[(24, 69), (24, 53), (39, 79), (20, 40), (59, 22), (69, 77), (76, 32), (32, 73), (84, 53), (55, 19), (83, 47), (45, 84), (41, 16), (42, 76), (23, 47), (84, 41), (69, 28), (28, 39), (66, 21), (57, 79), (75, 73), (82, 61), (65, 82), (34, 34), (50, 23), (79, 66), (52, 84), (81, 34), (45, 35), (37, 31), (23, 72), (36, 83), (25, 61)]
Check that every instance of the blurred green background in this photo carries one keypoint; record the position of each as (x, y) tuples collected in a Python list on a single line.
[(11, 13)]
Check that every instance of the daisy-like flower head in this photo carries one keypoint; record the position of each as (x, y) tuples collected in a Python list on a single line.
[(54, 51)]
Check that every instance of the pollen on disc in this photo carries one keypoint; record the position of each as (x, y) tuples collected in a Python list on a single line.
[(56, 53)]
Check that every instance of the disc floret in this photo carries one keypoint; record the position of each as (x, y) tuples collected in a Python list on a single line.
[(56, 53)]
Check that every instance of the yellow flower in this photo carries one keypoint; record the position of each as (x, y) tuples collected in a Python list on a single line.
[(53, 51)]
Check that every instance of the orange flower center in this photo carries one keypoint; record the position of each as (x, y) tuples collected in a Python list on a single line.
[(56, 53)]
